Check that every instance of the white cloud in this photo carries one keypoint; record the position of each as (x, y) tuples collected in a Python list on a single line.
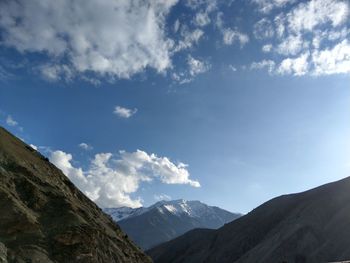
[(110, 181), (176, 25), (63, 161), (280, 27), (162, 197), (196, 66), (210, 5), (263, 29), (296, 66), (292, 45), (312, 38), (85, 146), (233, 68), (54, 72), (189, 38), (124, 112), (10, 121), (264, 64), (329, 35), (230, 36), (181, 77), (306, 16), (202, 19), (265, 6), (334, 60), (117, 38), (267, 48)]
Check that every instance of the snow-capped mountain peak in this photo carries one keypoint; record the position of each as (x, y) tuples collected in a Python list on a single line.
[(124, 212), (149, 226), (182, 207), (194, 209)]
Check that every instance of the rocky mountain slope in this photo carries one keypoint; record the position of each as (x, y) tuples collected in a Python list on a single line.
[(313, 226), (165, 220), (44, 218)]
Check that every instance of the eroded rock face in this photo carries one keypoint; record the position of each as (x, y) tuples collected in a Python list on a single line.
[(45, 218), (3, 253)]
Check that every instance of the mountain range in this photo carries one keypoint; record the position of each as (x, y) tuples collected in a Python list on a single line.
[(312, 226), (165, 220), (44, 218)]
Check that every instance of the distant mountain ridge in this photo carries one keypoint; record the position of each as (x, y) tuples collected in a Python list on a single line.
[(165, 220), (308, 227)]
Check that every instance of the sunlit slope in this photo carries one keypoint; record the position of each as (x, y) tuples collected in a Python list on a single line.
[(45, 218)]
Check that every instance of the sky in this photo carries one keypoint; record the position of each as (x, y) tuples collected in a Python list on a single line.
[(228, 102)]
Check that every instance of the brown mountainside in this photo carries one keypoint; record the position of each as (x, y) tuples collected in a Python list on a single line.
[(44, 218), (313, 226)]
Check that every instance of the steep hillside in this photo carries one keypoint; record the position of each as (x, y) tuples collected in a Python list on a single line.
[(313, 226), (44, 218), (166, 220)]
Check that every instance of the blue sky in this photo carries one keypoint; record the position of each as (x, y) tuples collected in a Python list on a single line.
[(227, 102)]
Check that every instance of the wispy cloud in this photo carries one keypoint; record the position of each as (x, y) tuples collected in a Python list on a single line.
[(162, 197), (266, 6)]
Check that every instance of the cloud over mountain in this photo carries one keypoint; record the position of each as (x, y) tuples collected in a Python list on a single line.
[(110, 180)]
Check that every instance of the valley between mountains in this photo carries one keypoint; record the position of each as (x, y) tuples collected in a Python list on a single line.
[(44, 218)]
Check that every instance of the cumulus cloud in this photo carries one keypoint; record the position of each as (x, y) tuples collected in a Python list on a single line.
[(10, 121), (124, 112), (109, 181), (117, 38), (292, 45), (295, 66), (334, 60), (63, 161), (85, 146)]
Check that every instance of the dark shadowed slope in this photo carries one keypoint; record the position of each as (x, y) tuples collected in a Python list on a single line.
[(313, 226), (166, 220), (44, 218)]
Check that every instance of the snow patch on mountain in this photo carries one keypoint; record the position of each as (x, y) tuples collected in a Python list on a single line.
[(124, 212), (194, 209)]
